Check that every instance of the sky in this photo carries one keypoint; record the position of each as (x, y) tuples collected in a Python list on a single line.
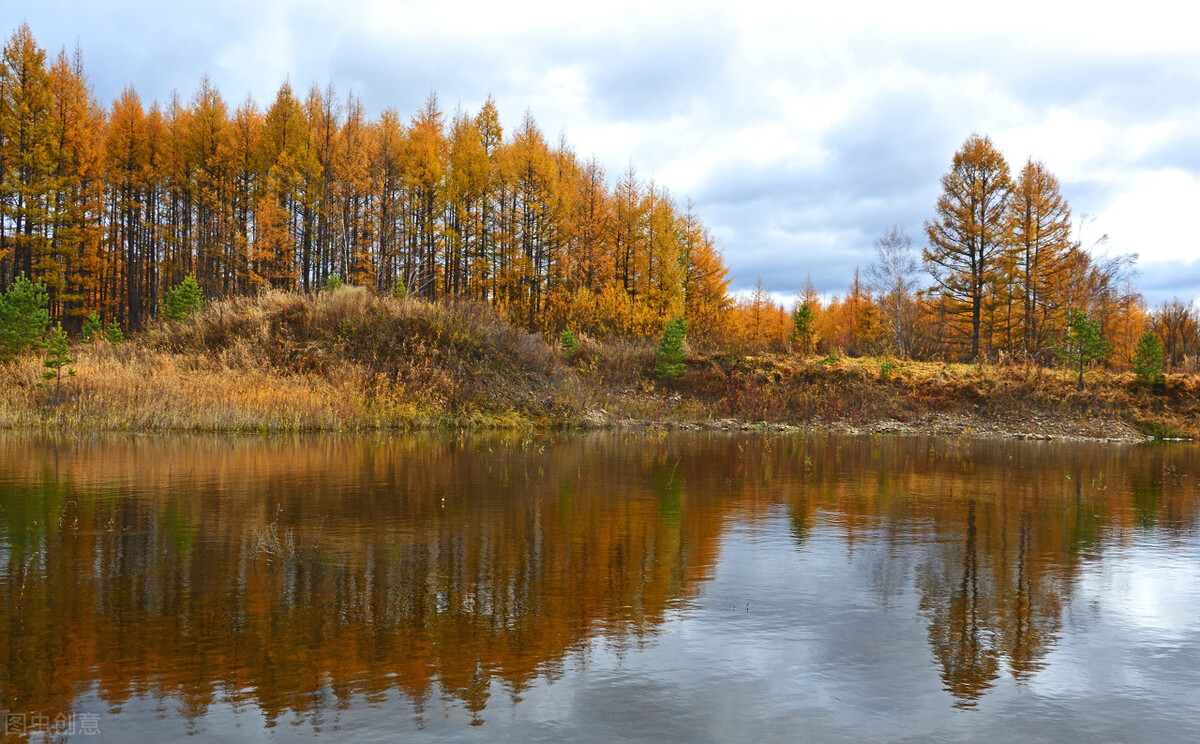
[(801, 134)]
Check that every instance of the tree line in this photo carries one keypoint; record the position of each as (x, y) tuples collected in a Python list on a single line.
[(110, 207), (1004, 275)]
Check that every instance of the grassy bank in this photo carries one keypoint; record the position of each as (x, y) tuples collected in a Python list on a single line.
[(285, 362), (349, 361)]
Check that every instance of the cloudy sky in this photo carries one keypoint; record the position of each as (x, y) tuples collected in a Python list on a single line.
[(800, 134)]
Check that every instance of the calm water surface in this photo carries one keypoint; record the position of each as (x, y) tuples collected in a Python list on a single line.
[(598, 587)]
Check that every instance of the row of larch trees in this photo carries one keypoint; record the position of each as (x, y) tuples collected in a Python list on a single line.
[(1008, 268), (109, 207), (1008, 271)]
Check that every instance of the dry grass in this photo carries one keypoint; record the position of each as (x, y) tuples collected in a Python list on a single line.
[(615, 361), (287, 362), (795, 390), (350, 361)]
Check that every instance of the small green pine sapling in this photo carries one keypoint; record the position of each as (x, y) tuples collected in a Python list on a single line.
[(114, 334), (91, 328), (570, 344), (1082, 345), (58, 346), (886, 367), (399, 291), (183, 300), (1148, 360), (23, 317), (671, 352), (802, 327), (332, 282)]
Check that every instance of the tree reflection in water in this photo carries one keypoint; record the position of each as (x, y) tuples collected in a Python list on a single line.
[(295, 575)]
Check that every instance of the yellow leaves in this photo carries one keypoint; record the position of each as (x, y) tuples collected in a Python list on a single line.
[(248, 199)]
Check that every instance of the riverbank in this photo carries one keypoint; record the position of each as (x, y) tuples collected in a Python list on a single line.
[(348, 361)]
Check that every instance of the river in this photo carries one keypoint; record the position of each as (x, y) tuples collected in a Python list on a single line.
[(595, 587)]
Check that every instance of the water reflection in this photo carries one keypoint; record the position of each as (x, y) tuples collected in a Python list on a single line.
[(303, 576)]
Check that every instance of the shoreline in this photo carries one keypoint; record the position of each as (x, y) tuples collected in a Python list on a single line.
[(941, 425), (345, 361)]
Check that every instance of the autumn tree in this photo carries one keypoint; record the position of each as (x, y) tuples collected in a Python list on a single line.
[(246, 180), (26, 159), (351, 229), (755, 318), (316, 246), (705, 282), (970, 231), (1040, 223), (1177, 324), (127, 160), (426, 162), (388, 157), (893, 277), (271, 246), (1102, 287), (291, 169), (467, 184), (76, 257), (208, 151), (852, 322), (109, 207)]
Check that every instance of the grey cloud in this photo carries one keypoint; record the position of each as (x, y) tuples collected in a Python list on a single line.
[(884, 166), (642, 75), (158, 48), (784, 228), (400, 74), (1084, 197), (896, 143), (648, 77), (1181, 151), (1123, 91), (1160, 282), (759, 243), (1120, 89)]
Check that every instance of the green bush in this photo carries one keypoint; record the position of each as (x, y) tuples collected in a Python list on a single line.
[(183, 300), (399, 291), (114, 334), (671, 352), (23, 318), (332, 282), (886, 367)]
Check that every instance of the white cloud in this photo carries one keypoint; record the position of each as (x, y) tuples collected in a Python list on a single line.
[(1147, 213)]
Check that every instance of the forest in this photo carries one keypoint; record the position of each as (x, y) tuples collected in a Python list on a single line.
[(110, 206)]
